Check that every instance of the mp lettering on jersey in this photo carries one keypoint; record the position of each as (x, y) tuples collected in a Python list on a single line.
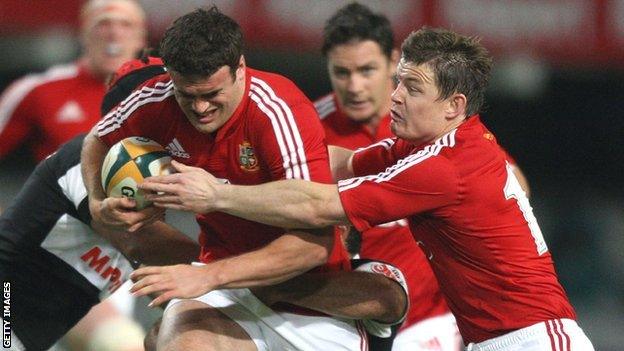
[(96, 260)]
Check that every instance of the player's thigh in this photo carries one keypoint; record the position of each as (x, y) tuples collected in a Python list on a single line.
[(273, 330), (193, 325)]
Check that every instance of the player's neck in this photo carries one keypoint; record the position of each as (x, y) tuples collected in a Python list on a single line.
[(372, 124), (96, 73)]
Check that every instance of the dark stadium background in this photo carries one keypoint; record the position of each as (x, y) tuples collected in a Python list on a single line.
[(556, 103)]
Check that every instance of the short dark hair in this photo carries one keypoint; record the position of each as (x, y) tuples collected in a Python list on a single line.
[(201, 42), (357, 22), (460, 64)]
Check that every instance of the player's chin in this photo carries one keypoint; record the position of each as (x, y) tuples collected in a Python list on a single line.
[(207, 128), (397, 129)]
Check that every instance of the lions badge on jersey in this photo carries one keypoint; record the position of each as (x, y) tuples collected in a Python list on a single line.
[(247, 157)]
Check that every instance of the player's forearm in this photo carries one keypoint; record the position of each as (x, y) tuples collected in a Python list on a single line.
[(340, 161), (287, 256), (160, 244), (285, 203), (91, 157), (354, 295)]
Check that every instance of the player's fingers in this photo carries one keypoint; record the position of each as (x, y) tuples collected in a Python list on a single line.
[(163, 198), (162, 299), (123, 203), (163, 179), (147, 270), (171, 206), (144, 281), (181, 167), (151, 289), (137, 219), (136, 227), (156, 186)]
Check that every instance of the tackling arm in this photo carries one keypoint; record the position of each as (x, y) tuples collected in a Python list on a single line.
[(285, 203), (340, 160)]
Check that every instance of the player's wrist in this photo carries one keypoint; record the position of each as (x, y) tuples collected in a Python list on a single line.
[(223, 194), (214, 276)]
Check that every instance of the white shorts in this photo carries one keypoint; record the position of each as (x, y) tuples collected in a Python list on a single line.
[(437, 333), (272, 330), (552, 335)]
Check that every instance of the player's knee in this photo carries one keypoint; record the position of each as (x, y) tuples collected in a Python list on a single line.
[(191, 325)]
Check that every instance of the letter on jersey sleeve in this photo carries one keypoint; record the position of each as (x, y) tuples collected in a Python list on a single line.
[(415, 184)]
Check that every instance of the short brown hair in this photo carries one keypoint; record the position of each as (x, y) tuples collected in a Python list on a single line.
[(460, 64), (201, 42)]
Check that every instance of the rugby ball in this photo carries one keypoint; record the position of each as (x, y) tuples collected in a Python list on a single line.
[(130, 161)]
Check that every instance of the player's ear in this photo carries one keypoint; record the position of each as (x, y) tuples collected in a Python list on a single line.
[(395, 56), (240, 69), (456, 106)]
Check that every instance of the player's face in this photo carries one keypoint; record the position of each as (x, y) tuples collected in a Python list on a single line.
[(418, 114), (210, 102), (113, 34), (361, 76)]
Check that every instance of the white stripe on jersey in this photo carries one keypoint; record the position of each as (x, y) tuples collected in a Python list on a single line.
[(17, 91), (73, 186), (385, 143), (115, 118), (278, 134), (325, 105), (448, 140), (293, 148)]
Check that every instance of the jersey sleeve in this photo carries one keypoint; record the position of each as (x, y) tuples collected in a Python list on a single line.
[(291, 140), (137, 115), (414, 185), (17, 109), (377, 157)]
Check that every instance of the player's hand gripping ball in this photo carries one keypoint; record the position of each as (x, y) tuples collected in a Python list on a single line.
[(130, 161)]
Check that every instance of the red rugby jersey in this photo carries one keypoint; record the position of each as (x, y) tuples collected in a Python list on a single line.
[(273, 134), (472, 219), (47, 109), (391, 242)]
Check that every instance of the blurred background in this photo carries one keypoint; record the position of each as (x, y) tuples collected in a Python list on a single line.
[(556, 103)]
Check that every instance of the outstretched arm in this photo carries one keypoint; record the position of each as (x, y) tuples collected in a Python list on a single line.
[(287, 256), (284, 203), (340, 160)]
